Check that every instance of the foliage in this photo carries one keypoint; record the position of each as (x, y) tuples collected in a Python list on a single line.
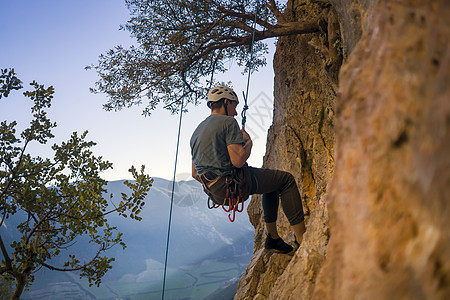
[(8, 82), (219, 31), (59, 199), (5, 288)]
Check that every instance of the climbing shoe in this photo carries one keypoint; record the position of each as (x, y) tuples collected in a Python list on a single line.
[(296, 245), (277, 244)]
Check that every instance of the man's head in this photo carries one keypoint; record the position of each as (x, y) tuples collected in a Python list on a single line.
[(223, 98)]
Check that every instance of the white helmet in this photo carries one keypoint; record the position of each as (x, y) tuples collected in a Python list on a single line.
[(220, 92)]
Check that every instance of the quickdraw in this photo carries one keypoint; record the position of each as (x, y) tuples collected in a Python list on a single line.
[(233, 204), (233, 197)]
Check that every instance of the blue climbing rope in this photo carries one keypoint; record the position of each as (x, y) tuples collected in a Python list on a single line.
[(176, 153), (244, 109)]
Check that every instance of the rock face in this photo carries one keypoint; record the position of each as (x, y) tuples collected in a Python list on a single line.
[(389, 198), (372, 163), (301, 141)]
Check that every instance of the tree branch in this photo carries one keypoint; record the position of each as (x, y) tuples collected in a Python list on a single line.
[(3, 217), (279, 30), (36, 226), (8, 264), (272, 5), (244, 16), (80, 267), (22, 153)]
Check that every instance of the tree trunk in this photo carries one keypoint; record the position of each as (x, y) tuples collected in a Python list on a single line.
[(19, 287)]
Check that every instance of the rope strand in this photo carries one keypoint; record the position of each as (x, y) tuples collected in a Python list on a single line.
[(244, 109), (176, 153)]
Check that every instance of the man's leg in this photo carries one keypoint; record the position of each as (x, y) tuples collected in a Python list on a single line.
[(275, 183), (272, 230), (299, 230)]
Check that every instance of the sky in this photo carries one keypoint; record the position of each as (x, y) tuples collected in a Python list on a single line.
[(52, 41)]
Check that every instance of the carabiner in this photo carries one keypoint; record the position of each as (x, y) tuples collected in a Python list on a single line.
[(214, 204)]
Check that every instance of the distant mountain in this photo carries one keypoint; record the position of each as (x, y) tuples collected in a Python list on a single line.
[(196, 231), (200, 238)]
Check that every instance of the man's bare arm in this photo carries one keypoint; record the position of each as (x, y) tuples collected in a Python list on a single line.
[(239, 154)]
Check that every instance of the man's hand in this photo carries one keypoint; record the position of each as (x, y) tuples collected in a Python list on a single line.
[(245, 135)]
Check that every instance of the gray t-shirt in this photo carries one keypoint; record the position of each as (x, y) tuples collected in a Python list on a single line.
[(209, 144)]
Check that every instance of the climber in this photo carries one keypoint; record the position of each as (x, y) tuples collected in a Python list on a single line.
[(219, 153)]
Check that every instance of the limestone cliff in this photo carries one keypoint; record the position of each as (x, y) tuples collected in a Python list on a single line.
[(369, 152)]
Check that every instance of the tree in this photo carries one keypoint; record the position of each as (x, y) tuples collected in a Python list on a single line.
[(5, 288), (222, 31), (56, 201)]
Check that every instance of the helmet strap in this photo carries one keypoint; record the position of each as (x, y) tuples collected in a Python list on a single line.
[(225, 102)]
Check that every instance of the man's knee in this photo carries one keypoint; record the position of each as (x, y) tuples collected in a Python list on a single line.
[(290, 180), (296, 218)]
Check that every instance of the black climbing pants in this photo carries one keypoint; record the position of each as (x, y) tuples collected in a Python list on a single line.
[(275, 185)]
